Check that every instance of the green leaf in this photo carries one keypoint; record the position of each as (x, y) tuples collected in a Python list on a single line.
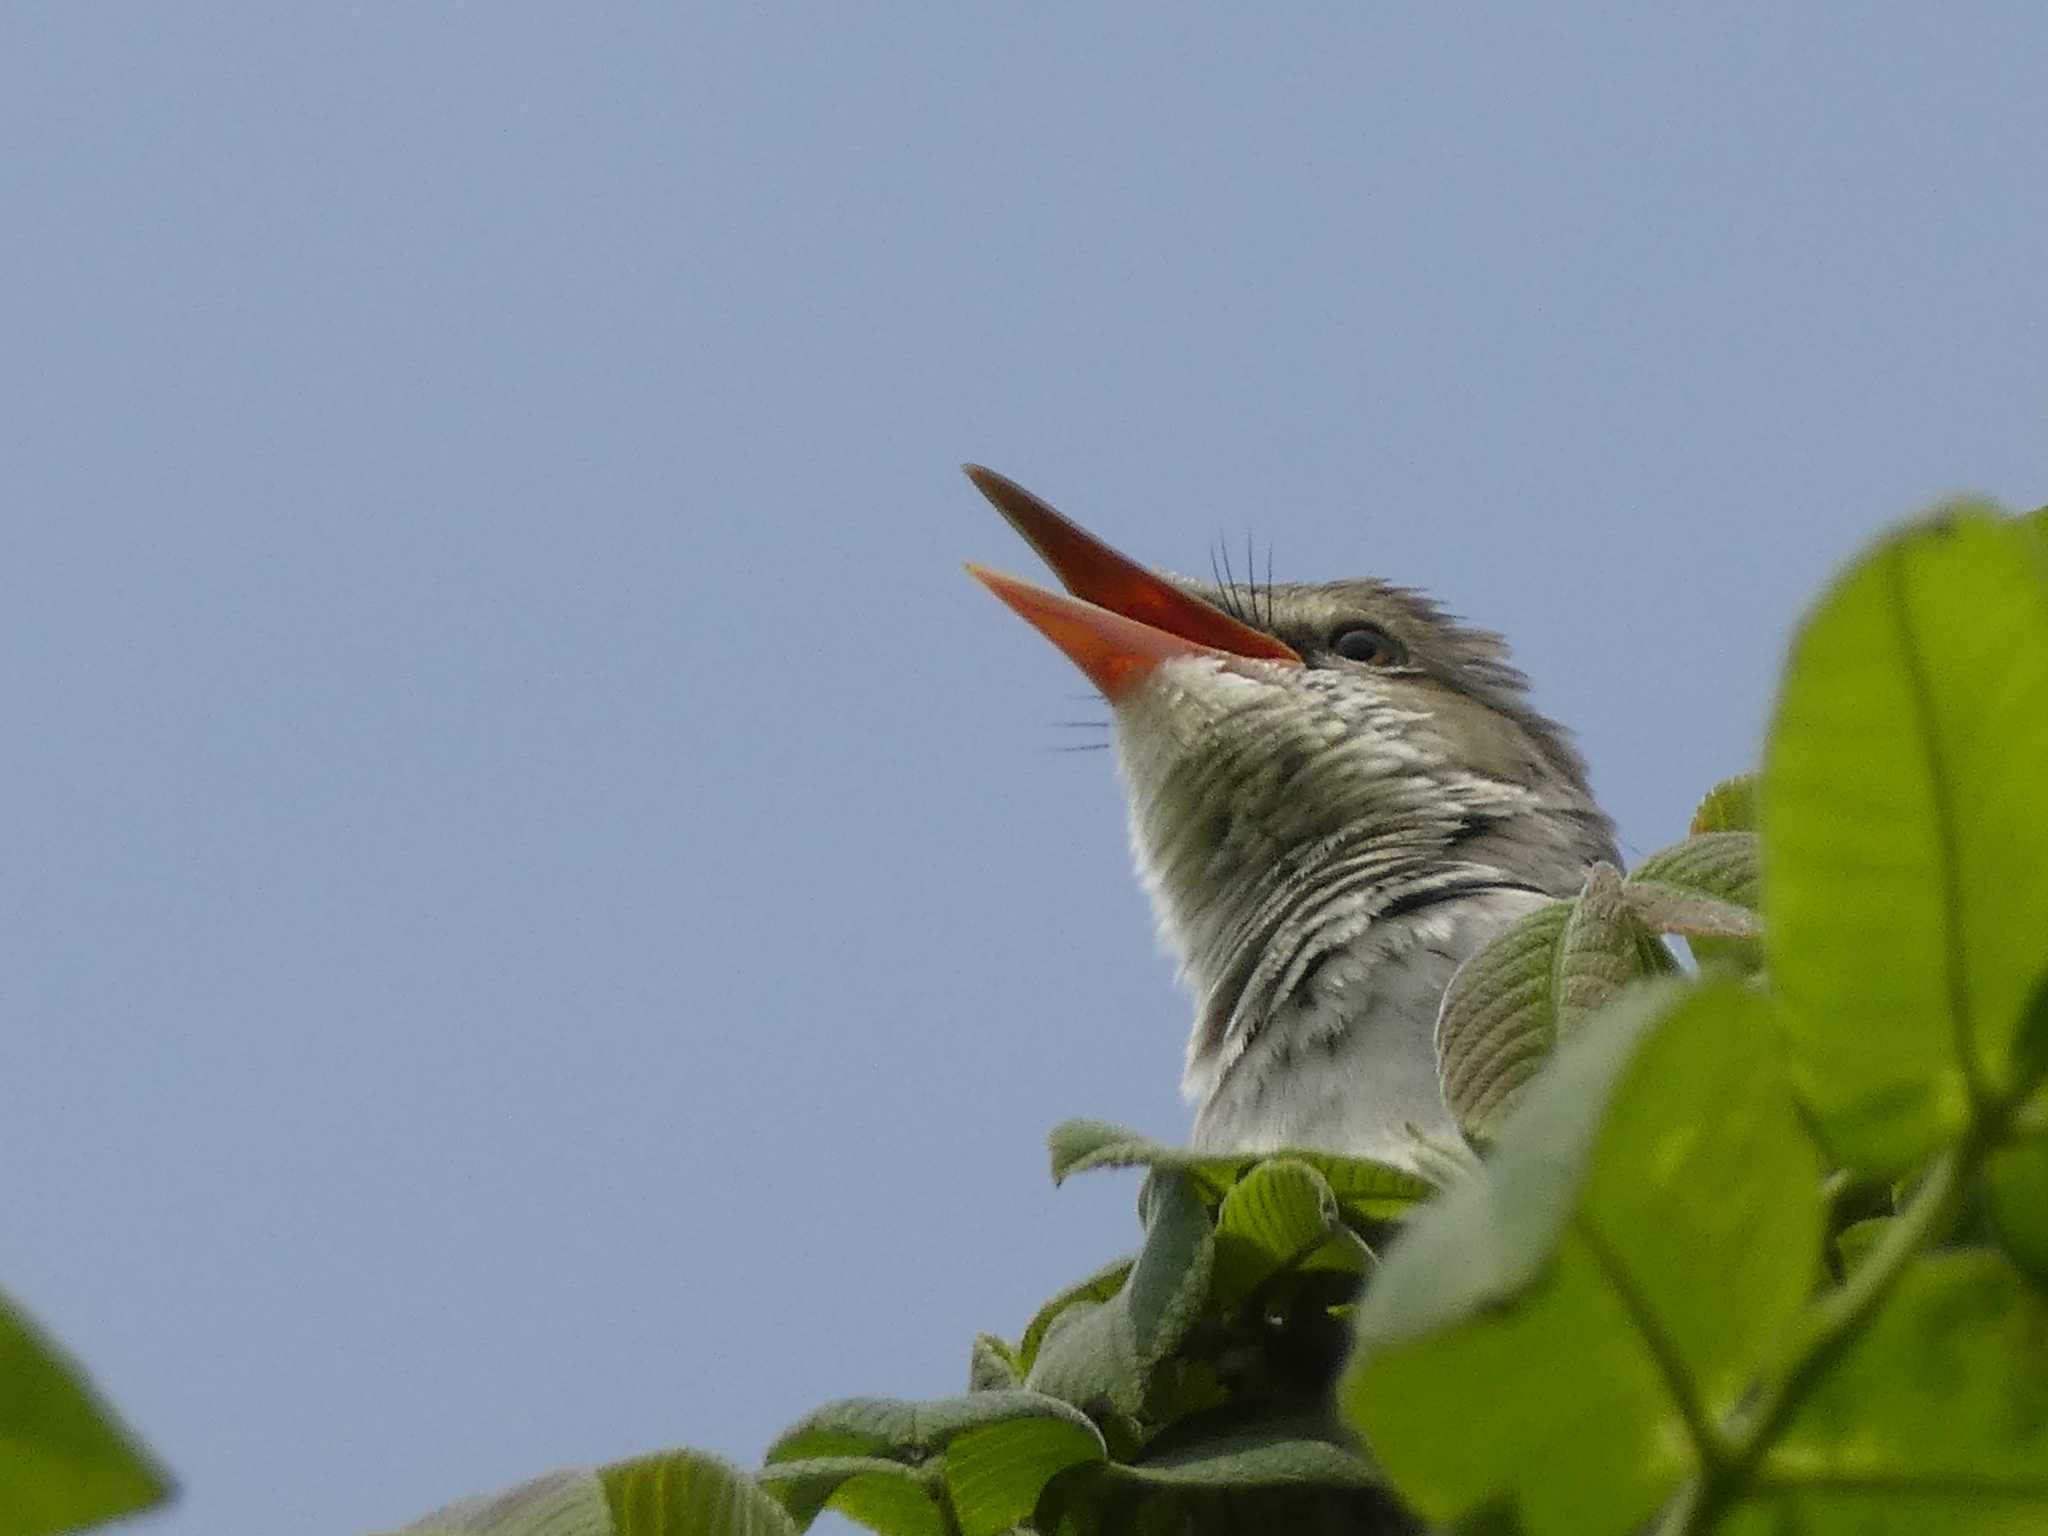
[(1282, 1215), (2016, 1201), (1730, 806), (1665, 908), (1556, 1328), (1106, 1353), (1905, 850), (878, 1460), (1509, 1005), (1366, 1190), (1097, 1288), (881, 1494), (1227, 1474), (1498, 1022), (686, 1493), (1935, 1420), (996, 1475), (567, 1503), (905, 1431), (1603, 949), (69, 1461), (1724, 865), (1295, 1451), (993, 1367), (1709, 889)]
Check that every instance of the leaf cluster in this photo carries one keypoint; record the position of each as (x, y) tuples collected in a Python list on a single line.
[(1762, 1252)]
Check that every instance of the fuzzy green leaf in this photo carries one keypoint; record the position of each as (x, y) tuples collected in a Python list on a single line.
[(1549, 1330), (1602, 949), (1510, 1004), (1097, 1288), (1498, 1022), (567, 1503), (1724, 865), (993, 1366), (1365, 1189), (1905, 849), (1106, 1353), (902, 1430), (1284, 1452), (1708, 888), (69, 1462)]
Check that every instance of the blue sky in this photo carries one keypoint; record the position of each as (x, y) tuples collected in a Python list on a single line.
[(540, 918)]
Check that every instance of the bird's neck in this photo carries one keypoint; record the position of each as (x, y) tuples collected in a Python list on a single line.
[(1263, 872), (1345, 1061)]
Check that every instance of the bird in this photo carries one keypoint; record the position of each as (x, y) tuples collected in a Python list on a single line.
[(1337, 792)]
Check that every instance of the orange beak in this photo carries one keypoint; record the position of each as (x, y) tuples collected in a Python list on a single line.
[(1122, 620)]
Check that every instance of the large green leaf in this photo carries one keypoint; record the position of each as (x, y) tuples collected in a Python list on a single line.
[(1106, 1353), (567, 1503), (1508, 1006), (1555, 1330), (675, 1493), (686, 1493), (68, 1461), (1366, 1190), (1935, 1420), (1905, 843)]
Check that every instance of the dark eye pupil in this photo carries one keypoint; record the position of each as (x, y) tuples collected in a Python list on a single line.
[(1368, 643)]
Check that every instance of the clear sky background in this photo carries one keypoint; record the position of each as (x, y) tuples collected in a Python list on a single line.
[(540, 917)]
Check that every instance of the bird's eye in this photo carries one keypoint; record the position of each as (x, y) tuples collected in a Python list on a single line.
[(1368, 643)]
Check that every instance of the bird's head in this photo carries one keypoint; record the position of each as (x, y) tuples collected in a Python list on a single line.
[(1302, 754)]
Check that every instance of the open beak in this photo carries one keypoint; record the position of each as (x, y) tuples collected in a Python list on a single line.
[(1122, 620)]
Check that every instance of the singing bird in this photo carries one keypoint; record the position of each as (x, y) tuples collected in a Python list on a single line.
[(1337, 792)]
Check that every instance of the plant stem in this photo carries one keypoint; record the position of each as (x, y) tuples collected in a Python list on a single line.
[(1830, 1326)]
